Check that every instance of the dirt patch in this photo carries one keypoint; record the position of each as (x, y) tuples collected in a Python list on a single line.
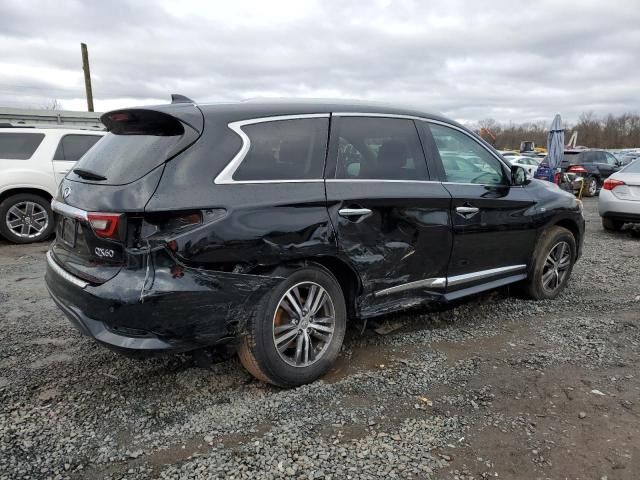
[(366, 359), (564, 422)]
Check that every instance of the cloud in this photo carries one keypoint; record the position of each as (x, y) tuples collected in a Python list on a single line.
[(508, 60)]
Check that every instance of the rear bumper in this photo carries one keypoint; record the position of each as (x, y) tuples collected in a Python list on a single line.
[(160, 309), (610, 206)]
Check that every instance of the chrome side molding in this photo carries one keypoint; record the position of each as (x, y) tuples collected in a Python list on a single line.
[(471, 277), (444, 282), (439, 282)]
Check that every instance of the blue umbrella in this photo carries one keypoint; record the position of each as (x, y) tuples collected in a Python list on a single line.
[(555, 143)]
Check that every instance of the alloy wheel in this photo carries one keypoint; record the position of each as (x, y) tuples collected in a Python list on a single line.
[(27, 219), (593, 187), (556, 266), (303, 324)]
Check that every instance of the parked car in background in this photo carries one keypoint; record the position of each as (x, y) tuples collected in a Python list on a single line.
[(626, 158), (268, 225), (529, 164), (591, 167), (509, 153), (33, 161), (619, 201)]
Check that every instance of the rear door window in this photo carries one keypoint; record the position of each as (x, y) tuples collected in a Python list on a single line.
[(284, 150), (19, 146), (464, 160), (72, 147), (379, 148)]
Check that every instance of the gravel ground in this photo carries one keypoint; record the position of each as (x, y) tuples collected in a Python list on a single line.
[(498, 387)]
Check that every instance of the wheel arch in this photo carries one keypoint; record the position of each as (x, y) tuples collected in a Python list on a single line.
[(18, 190), (571, 225), (346, 276)]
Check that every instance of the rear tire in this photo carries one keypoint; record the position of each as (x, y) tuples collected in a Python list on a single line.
[(287, 349), (26, 218), (552, 264), (612, 224), (590, 187)]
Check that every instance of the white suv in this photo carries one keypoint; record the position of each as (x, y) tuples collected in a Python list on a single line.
[(33, 161)]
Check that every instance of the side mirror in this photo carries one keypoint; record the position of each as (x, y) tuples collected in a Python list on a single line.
[(518, 175)]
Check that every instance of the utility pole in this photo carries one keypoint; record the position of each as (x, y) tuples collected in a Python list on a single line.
[(87, 76)]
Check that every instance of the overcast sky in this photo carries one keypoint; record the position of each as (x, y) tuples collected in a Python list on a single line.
[(511, 61)]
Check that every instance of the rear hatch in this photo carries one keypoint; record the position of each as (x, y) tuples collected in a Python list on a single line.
[(102, 198), (570, 158)]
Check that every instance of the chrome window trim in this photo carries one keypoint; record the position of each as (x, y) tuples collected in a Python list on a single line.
[(68, 210), (225, 177), (445, 282), (376, 180), (63, 273), (428, 120)]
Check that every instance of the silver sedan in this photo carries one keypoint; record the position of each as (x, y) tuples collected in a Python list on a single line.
[(619, 200)]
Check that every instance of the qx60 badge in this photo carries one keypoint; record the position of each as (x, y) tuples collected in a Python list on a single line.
[(104, 252)]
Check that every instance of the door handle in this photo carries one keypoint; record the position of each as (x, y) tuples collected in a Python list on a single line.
[(467, 212), (354, 212)]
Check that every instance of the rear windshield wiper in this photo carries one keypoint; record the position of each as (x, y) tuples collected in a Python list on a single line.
[(88, 174)]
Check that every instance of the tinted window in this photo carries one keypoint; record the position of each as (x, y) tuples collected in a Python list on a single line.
[(379, 148), (72, 147), (19, 146), (285, 150), (572, 158), (125, 158), (464, 159)]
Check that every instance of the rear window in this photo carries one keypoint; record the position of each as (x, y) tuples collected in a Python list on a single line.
[(19, 146), (72, 147), (138, 141), (573, 157), (285, 150), (633, 167), (125, 158)]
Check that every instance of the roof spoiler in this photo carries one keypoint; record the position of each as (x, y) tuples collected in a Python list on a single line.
[(177, 98)]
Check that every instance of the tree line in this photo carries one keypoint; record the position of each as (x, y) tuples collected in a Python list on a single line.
[(611, 131)]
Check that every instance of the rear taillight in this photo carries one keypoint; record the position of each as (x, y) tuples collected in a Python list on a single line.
[(105, 225), (576, 169), (167, 226), (611, 183)]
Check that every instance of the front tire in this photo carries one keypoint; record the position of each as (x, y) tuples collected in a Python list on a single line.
[(297, 331), (552, 264), (612, 224), (26, 218)]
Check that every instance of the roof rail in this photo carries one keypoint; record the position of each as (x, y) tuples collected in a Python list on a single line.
[(54, 127)]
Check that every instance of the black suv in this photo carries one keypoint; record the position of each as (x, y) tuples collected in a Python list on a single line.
[(593, 166), (268, 225)]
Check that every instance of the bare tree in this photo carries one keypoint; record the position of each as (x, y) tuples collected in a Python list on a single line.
[(52, 104), (622, 131)]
